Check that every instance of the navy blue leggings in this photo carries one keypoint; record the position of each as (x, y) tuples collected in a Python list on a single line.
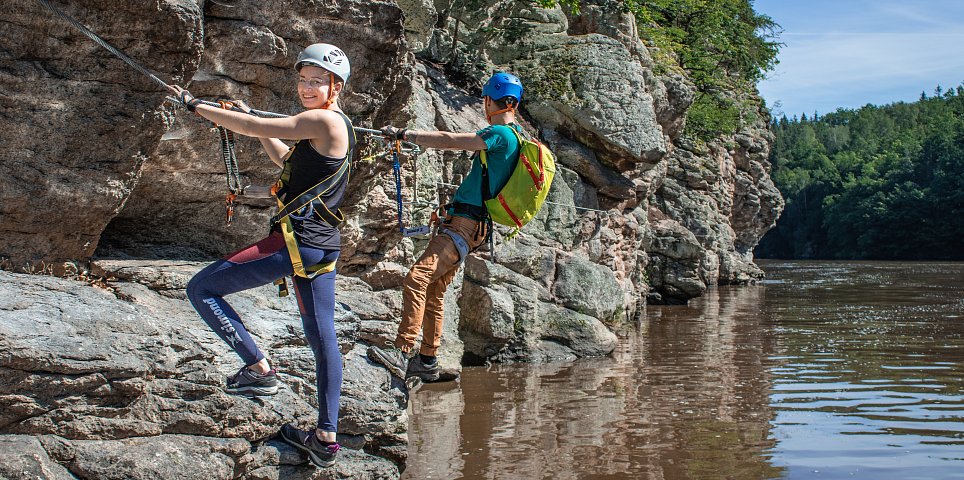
[(261, 264)]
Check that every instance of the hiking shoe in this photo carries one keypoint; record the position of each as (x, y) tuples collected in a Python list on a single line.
[(418, 368), (321, 454), (395, 360), (249, 383)]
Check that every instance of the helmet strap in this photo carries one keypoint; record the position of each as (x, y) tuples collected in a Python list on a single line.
[(488, 116), (331, 91)]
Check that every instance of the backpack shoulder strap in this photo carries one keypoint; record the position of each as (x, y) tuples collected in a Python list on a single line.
[(485, 177), (518, 135), (486, 195)]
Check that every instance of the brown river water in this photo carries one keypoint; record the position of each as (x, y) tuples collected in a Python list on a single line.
[(826, 370)]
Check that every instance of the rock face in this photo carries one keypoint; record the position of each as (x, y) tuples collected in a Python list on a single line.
[(249, 52), (78, 124), (592, 95), (96, 164), (101, 382)]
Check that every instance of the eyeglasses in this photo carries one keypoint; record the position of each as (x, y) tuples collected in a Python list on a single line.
[(312, 83)]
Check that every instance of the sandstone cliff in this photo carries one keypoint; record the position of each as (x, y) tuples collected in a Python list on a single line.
[(96, 164)]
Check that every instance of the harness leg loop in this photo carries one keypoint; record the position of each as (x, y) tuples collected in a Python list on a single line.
[(460, 244)]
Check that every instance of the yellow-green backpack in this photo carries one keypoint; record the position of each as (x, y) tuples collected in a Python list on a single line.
[(520, 199)]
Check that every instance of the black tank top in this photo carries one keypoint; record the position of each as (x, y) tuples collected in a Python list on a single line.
[(308, 167)]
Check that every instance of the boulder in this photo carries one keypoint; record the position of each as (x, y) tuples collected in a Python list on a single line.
[(509, 317), (79, 124), (97, 369), (589, 288)]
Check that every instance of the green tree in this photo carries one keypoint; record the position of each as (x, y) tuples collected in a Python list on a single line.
[(876, 182)]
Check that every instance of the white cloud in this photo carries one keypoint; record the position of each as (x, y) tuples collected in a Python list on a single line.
[(881, 53)]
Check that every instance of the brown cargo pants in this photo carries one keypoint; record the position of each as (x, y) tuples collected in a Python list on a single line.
[(423, 297)]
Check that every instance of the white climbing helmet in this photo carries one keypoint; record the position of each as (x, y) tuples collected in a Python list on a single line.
[(326, 56)]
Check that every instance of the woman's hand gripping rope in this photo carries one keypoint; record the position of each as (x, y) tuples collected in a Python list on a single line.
[(189, 101), (228, 154)]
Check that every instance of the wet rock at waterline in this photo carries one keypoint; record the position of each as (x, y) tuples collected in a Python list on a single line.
[(509, 317)]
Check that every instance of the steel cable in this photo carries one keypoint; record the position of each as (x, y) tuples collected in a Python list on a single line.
[(100, 41), (128, 60)]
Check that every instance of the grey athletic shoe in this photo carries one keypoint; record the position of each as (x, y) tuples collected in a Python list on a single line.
[(321, 454), (395, 360), (249, 383), (418, 368)]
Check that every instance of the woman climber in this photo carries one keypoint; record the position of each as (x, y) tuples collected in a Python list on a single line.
[(304, 241)]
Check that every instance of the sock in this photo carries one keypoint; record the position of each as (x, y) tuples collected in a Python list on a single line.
[(319, 440), (428, 360)]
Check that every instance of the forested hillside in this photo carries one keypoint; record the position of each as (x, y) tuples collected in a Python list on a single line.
[(874, 183)]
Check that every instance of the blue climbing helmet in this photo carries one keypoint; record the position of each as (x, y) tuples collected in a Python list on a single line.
[(502, 85)]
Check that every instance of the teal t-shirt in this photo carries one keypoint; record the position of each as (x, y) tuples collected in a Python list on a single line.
[(501, 153)]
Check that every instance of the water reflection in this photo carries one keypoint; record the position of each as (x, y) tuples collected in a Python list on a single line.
[(684, 396), (829, 370)]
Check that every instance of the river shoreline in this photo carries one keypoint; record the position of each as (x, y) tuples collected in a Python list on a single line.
[(829, 369)]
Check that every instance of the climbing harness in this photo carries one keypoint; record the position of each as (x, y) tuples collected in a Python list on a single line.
[(460, 244), (308, 204)]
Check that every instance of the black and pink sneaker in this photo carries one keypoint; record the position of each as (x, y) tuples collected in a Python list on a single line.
[(320, 453), (249, 383)]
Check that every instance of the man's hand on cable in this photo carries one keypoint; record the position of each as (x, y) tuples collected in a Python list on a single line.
[(190, 101), (393, 133)]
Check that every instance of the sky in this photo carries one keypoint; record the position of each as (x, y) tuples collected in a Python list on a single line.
[(848, 53)]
